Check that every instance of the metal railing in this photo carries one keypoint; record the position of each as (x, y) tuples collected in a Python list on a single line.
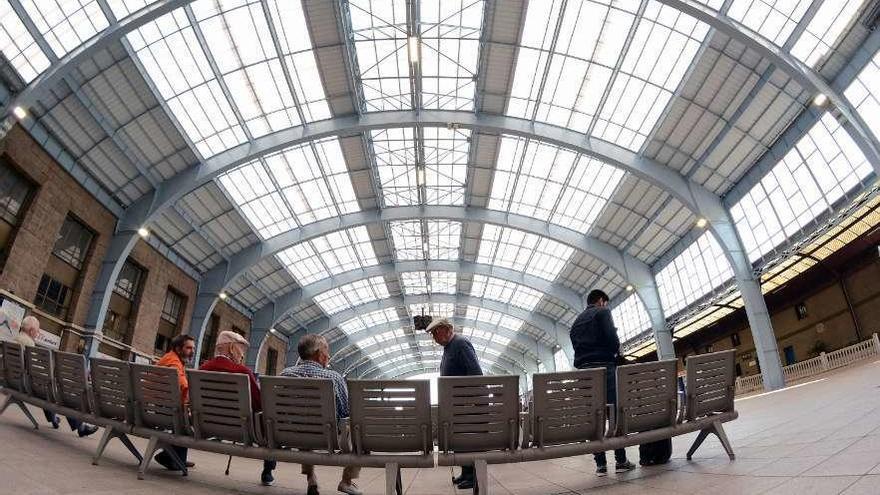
[(815, 366)]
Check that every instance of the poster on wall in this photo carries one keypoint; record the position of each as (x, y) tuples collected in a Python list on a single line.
[(11, 314)]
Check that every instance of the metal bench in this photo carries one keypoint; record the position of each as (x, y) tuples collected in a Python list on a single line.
[(71, 383), (568, 407), (391, 416), (709, 392), (15, 375), (647, 397), (158, 409), (113, 403)]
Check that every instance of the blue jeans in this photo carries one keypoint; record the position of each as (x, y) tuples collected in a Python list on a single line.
[(73, 422), (611, 398)]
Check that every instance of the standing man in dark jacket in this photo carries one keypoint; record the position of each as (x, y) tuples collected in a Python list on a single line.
[(459, 359), (595, 342)]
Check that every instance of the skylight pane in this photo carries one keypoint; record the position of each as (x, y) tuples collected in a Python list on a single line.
[(18, 46), (505, 291), (664, 46), (241, 44), (493, 318), (351, 295), (630, 318), (368, 320), (772, 19), (296, 186), (434, 282), (379, 30), (864, 94), (444, 239), (446, 157), (328, 255), (522, 251), (66, 24), (173, 59), (437, 310), (550, 183), (450, 47), (822, 167), (697, 271), (395, 153), (823, 30), (124, 8)]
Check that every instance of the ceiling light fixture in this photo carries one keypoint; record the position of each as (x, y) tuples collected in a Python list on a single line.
[(222, 296), (629, 288), (702, 222), (19, 112), (143, 232), (820, 100), (413, 46), (420, 177)]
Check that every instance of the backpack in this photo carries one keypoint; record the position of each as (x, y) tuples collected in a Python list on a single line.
[(654, 453)]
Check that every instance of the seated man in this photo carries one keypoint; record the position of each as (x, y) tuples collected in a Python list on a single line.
[(314, 354), (182, 349), (228, 357), (27, 334)]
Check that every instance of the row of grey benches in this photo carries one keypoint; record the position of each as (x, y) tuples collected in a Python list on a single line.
[(478, 420)]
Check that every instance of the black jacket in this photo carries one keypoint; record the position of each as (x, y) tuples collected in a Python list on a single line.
[(594, 337)]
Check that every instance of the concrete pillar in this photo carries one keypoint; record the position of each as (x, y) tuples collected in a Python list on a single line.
[(824, 360), (260, 326), (876, 343)]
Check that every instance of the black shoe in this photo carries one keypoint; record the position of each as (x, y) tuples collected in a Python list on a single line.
[(622, 467), (266, 478), (457, 479), (86, 430), (466, 484), (601, 470), (56, 421), (313, 490), (165, 461)]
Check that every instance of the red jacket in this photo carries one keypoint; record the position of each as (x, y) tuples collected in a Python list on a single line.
[(225, 365)]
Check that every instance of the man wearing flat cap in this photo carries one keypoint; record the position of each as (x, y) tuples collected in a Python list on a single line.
[(229, 353), (459, 359)]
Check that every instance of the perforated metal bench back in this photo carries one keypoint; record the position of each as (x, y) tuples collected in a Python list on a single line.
[(111, 389), (568, 407), (221, 405), (299, 412), (647, 396), (710, 383), (14, 370), (39, 366), (478, 413), (390, 415), (71, 384), (157, 400)]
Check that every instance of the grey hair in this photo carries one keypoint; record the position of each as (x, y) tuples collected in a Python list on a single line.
[(310, 344), (30, 325)]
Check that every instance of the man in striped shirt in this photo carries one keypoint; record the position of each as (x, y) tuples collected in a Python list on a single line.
[(314, 354)]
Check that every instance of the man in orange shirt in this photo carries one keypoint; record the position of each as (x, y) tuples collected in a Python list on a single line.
[(182, 350)]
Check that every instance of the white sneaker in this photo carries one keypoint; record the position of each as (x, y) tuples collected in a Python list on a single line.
[(349, 488)]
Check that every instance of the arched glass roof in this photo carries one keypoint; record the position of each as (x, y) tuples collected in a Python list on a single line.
[(139, 94)]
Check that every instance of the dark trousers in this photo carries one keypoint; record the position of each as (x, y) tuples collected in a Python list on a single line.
[(73, 422), (468, 472), (164, 458), (611, 398)]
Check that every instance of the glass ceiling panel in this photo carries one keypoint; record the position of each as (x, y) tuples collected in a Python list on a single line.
[(19, 46), (630, 318), (66, 24), (296, 186), (697, 271), (505, 291), (173, 59), (578, 56), (485, 336), (395, 154), (354, 294), (820, 169), (550, 183), (329, 255), (433, 282), (124, 8), (444, 239), (446, 158), (522, 251), (380, 338), (864, 94), (437, 310), (368, 320), (824, 29), (450, 48), (380, 39), (772, 19), (493, 318)]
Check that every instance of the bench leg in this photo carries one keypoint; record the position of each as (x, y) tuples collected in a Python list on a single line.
[(718, 431), (12, 400), (393, 484), (109, 434), (152, 445), (482, 473), (130, 446), (174, 458)]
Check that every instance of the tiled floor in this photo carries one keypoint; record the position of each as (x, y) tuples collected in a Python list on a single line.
[(822, 437)]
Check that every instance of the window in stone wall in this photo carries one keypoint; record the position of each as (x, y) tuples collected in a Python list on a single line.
[(271, 362), (53, 296), (169, 322), (119, 323), (73, 242), (210, 338), (63, 269), (15, 192)]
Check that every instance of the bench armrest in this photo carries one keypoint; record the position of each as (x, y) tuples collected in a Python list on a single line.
[(343, 426)]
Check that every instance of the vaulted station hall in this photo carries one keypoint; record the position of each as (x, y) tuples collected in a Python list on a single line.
[(255, 173)]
